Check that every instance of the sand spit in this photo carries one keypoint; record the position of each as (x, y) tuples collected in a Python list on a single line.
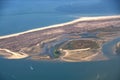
[(63, 24), (12, 46), (14, 55)]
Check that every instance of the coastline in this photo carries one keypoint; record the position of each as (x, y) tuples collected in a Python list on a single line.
[(63, 24), (14, 55), (41, 42)]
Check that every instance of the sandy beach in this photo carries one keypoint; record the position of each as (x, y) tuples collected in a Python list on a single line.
[(14, 55), (34, 42), (63, 24)]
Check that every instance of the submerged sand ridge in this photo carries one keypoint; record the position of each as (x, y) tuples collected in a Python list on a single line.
[(45, 42)]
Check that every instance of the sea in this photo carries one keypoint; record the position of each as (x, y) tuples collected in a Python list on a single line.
[(21, 15)]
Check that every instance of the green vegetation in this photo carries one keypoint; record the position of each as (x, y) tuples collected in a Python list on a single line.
[(56, 53)]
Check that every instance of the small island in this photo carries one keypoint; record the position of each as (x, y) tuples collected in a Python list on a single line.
[(79, 40)]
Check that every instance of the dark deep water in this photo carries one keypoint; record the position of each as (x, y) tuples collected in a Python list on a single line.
[(21, 15)]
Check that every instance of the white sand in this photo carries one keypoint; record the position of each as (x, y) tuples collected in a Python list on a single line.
[(15, 55), (63, 24)]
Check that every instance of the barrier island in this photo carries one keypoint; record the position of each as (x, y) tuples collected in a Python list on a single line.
[(75, 41)]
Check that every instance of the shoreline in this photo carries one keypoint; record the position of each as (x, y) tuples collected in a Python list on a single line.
[(37, 42), (62, 24), (15, 55)]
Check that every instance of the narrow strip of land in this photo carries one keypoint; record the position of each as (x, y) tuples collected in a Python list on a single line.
[(44, 42)]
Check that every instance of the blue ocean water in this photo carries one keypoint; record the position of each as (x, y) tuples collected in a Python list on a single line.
[(45, 70), (22, 15)]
